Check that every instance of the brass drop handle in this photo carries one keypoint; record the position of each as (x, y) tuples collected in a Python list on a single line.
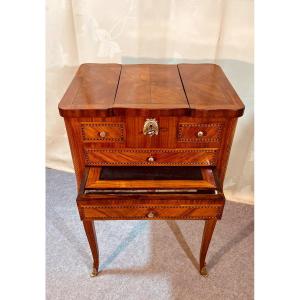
[(102, 134), (150, 159), (200, 134), (151, 127), (151, 214)]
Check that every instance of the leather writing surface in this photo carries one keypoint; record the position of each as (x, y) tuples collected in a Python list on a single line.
[(146, 173)]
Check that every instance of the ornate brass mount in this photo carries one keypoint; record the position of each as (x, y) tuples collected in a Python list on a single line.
[(150, 127)]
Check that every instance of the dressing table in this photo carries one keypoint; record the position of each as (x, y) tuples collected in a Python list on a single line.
[(150, 141)]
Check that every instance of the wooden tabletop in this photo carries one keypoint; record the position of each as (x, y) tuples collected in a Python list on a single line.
[(184, 89)]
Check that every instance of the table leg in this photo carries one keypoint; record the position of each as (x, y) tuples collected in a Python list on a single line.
[(206, 238), (89, 228)]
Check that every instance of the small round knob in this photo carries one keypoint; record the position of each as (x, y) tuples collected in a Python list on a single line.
[(200, 134), (102, 134), (151, 159), (151, 214)]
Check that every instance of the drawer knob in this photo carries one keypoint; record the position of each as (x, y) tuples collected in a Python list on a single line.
[(102, 134), (151, 214), (200, 134), (151, 159), (150, 127)]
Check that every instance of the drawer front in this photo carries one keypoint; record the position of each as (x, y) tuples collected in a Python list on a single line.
[(172, 132), (200, 133), (151, 157), (103, 131), (152, 212)]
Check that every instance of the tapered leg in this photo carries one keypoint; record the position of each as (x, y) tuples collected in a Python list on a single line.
[(206, 238), (89, 228)]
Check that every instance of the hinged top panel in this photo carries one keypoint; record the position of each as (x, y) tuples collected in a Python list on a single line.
[(150, 87), (92, 91), (209, 91), (99, 90)]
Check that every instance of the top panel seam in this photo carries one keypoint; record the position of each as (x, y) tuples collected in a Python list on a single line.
[(187, 99), (117, 87)]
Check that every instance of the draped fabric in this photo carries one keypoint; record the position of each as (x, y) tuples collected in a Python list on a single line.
[(149, 31)]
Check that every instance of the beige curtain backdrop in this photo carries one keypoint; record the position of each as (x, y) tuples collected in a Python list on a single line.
[(152, 31)]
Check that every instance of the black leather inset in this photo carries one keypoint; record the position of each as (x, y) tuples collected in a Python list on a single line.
[(150, 173)]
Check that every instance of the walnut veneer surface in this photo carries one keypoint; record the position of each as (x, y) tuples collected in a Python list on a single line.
[(150, 116)]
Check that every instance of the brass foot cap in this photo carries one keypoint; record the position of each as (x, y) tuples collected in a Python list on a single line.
[(94, 272), (204, 272)]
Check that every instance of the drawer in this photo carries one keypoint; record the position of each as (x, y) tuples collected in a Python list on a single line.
[(151, 157), (100, 204), (103, 131), (145, 178), (151, 212), (200, 133)]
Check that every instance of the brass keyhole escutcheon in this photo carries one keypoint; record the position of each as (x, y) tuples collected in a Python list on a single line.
[(151, 127)]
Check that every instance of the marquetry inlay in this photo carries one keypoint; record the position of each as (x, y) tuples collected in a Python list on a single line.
[(213, 130)]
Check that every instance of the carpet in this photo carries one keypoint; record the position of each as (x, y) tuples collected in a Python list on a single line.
[(144, 259)]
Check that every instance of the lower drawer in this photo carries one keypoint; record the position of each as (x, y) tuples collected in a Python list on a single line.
[(152, 212), (151, 157), (150, 206)]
